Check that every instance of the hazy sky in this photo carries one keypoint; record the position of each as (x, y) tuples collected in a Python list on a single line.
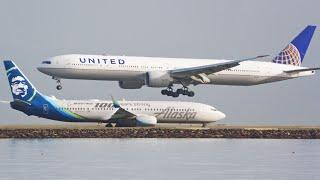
[(33, 30)]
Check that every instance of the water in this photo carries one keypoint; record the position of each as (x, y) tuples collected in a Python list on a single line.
[(159, 159)]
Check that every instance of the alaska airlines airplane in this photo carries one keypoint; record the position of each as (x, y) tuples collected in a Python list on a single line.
[(125, 113), (134, 72)]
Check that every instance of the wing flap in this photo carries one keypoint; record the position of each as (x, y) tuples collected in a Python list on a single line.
[(120, 114)]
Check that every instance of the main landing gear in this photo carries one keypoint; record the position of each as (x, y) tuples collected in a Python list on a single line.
[(109, 125), (204, 125), (59, 86), (183, 91)]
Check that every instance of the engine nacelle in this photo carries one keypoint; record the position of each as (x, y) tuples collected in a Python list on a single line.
[(130, 84), (158, 79), (146, 120)]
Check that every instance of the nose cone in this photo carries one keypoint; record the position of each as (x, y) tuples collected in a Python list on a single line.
[(211, 116), (44, 70), (41, 69), (44, 66), (220, 115)]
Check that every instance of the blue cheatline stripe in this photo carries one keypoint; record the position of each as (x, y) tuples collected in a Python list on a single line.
[(64, 112)]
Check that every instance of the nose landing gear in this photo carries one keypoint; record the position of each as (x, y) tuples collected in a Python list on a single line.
[(59, 86)]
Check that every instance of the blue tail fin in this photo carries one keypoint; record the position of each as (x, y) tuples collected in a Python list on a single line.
[(21, 87), (295, 51), (28, 100)]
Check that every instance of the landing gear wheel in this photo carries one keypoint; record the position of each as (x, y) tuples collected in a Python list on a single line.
[(175, 94), (190, 93), (169, 93), (59, 87), (164, 92), (109, 125), (185, 91), (204, 125), (180, 91)]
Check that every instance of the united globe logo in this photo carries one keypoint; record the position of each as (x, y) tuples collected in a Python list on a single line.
[(290, 55)]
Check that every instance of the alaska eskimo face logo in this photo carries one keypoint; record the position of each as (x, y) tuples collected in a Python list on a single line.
[(19, 86), (290, 55)]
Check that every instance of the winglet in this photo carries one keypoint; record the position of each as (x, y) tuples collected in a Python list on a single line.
[(115, 103)]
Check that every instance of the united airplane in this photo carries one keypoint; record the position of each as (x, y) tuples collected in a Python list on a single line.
[(121, 113), (135, 72)]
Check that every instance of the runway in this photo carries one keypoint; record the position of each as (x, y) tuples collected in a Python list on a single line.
[(164, 125), (161, 131)]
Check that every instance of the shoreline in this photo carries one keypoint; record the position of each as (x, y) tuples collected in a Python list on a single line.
[(219, 131)]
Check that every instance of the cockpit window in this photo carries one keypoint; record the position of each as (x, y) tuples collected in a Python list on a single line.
[(213, 109), (46, 62)]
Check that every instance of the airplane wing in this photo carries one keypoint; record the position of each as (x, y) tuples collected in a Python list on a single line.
[(121, 113), (124, 118), (208, 69), (302, 70)]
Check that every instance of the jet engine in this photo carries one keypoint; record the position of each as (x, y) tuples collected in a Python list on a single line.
[(158, 79), (130, 84), (140, 121), (145, 120)]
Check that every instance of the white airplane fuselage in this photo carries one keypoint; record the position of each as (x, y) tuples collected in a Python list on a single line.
[(129, 68), (164, 111)]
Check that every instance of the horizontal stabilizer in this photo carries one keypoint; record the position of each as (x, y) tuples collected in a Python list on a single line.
[(6, 102), (302, 70)]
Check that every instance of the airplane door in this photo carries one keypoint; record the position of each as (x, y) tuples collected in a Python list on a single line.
[(45, 109)]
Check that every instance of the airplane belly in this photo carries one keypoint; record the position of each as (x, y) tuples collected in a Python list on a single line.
[(93, 74), (243, 80), (91, 116), (238, 80)]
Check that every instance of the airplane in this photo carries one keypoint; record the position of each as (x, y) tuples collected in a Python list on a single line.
[(135, 72), (28, 100)]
